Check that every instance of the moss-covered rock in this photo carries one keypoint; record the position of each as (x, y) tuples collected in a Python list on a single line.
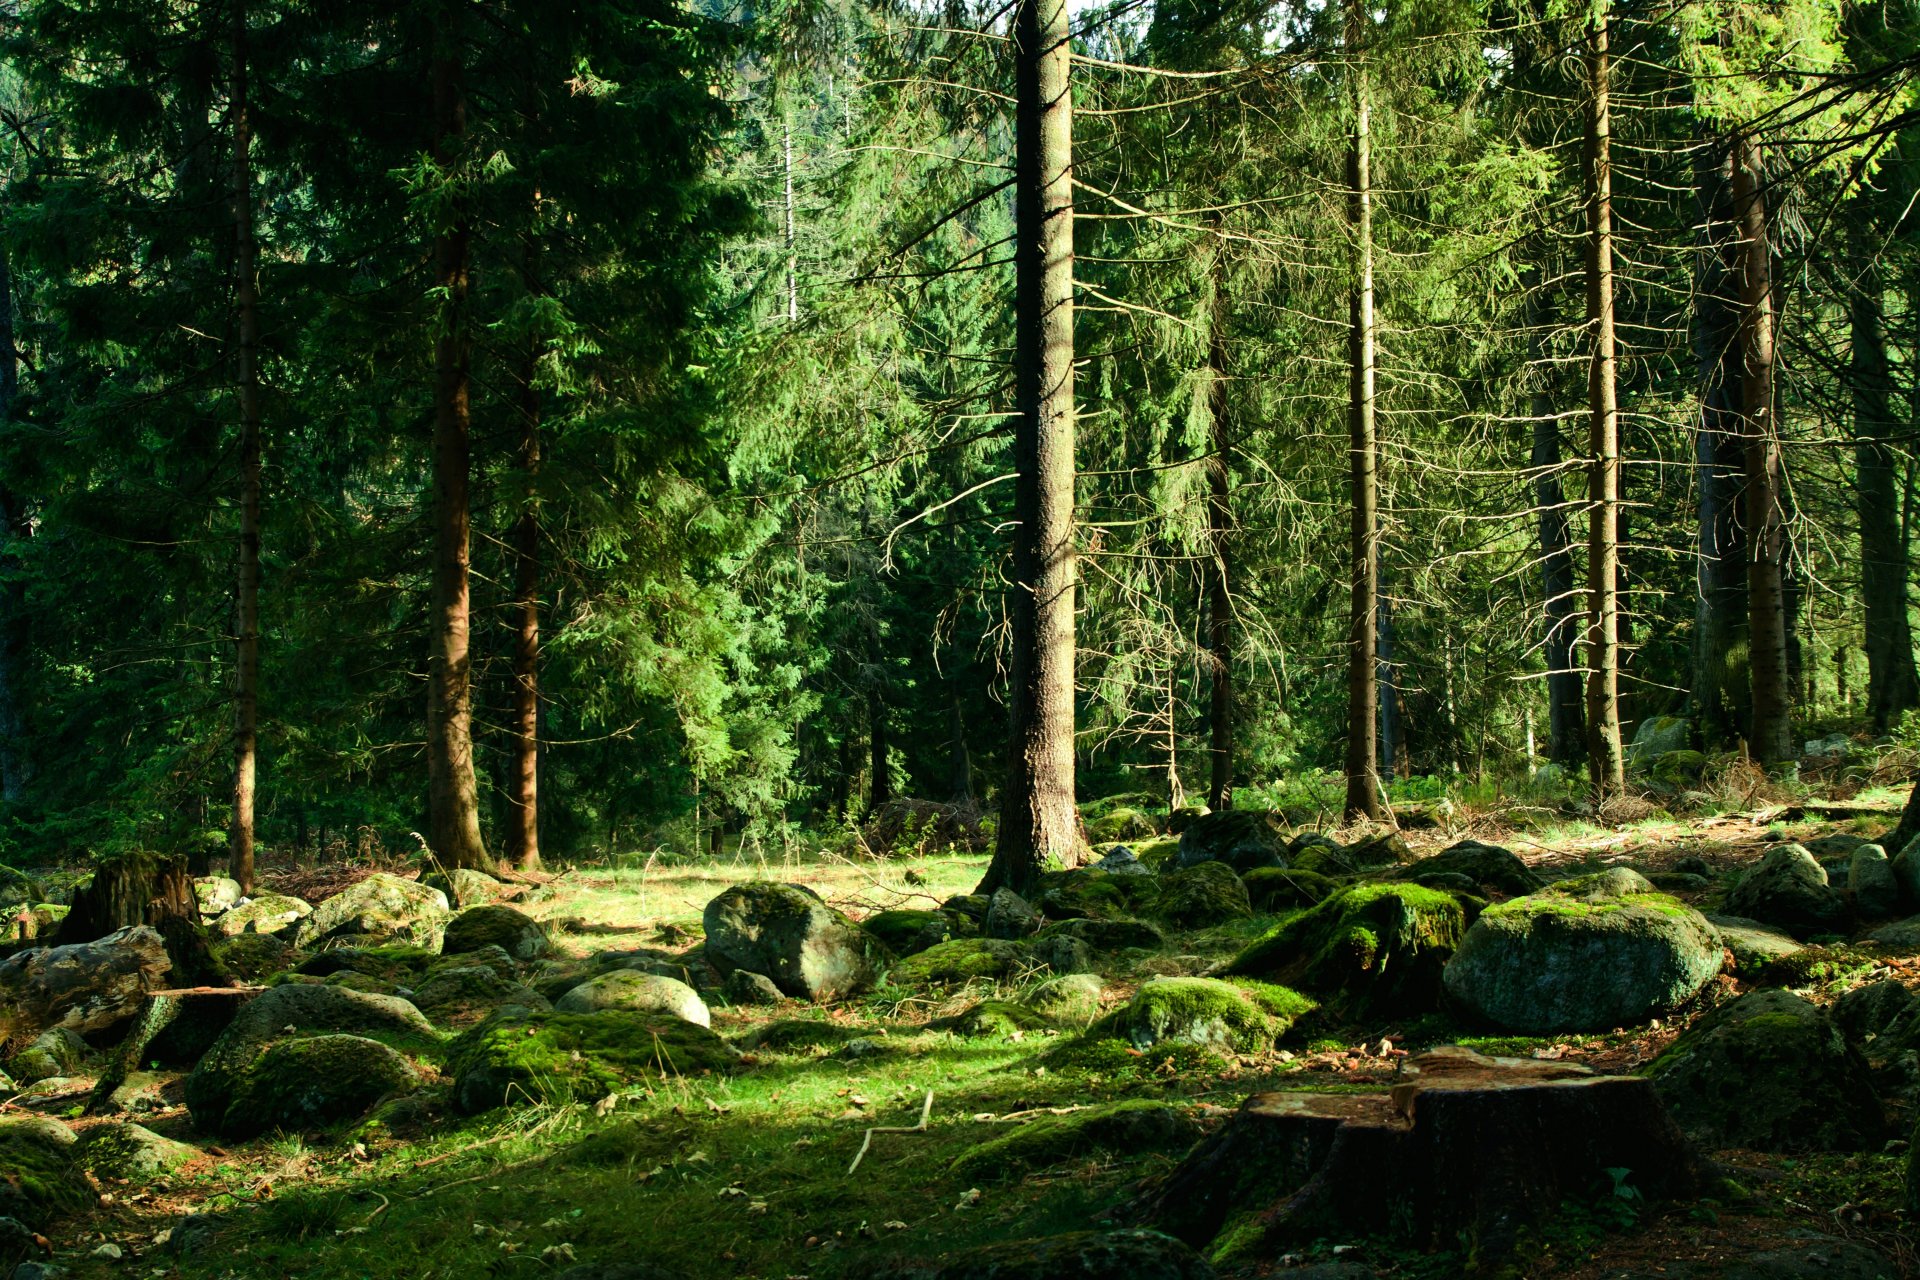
[(1125, 1128), (1202, 895), (465, 994), (388, 964), (252, 956), (626, 989), (492, 925), (1772, 1072), (1488, 867), (59, 1052), (1242, 839), (1071, 1000), (270, 913), (465, 887), (1206, 1012), (784, 931), (1276, 890), (132, 1152), (518, 1056), (1790, 889), (38, 1176), (216, 895), (1106, 935), (1680, 768), (961, 960), (1370, 948), (383, 908), (1753, 946), (904, 931), (800, 1036), (1122, 823), (1090, 893), (1372, 855), (996, 1019), (1587, 954), (312, 1082)]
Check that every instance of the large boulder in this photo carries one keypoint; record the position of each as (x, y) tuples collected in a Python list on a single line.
[(381, 908), (1658, 735), (270, 913), (216, 895), (85, 987), (1488, 867), (1206, 1012), (1770, 1072), (635, 992), (1789, 889), (518, 1056), (132, 1152), (811, 951), (1587, 954), (1080, 1255), (515, 932), (311, 1082), (1872, 883), (1370, 948), (1202, 895), (1241, 838)]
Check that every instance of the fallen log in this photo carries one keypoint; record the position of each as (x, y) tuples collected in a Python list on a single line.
[(86, 987), (1464, 1150)]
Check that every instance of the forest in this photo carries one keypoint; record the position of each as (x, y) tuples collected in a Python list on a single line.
[(1049, 640)]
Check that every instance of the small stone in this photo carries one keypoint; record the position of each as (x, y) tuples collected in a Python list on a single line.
[(744, 987), (1122, 861), (636, 992)]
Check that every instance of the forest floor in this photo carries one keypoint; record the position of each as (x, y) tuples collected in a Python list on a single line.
[(748, 1173)]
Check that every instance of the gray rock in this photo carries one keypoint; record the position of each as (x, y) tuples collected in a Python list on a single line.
[(637, 993), (808, 949), (1123, 861), (1657, 735), (1010, 916), (381, 908), (1581, 957), (84, 987), (191, 1234), (1694, 865), (1203, 895), (1837, 844), (1906, 869), (747, 988), (1876, 1009), (216, 895), (1479, 866), (1753, 944), (1074, 998), (1870, 878), (310, 1082), (1064, 953), (1901, 934), (1241, 838), (1789, 889), (132, 1152), (462, 993), (269, 913), (139, 1093), (59, 1052), (492, 925), (466, 887), (1833, 745)]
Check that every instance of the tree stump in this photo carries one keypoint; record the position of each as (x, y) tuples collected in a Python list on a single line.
[(145, 889), (1464, 1149)]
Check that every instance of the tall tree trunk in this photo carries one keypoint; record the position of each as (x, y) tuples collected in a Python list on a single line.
[(15, 763), (1605, 762), (1392, 741), (1892, 685), (1363, 779), (882, 786), (1719, 693), (959, 759), (1038, 822), (246, 667), (1220, 534), (1771, 739), (523, 778), (1566, 700), (452, 796), (793, 260)]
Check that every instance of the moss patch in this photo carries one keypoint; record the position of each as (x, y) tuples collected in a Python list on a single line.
[(518, 1056), (1372, 948), (996, 1019), (1126, 1128), (1223, 1016), (1274, 890), (960, 960)]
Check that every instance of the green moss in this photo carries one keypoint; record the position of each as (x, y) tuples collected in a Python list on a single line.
[(1373, 948), (390, 964), (37, 1177), (1090, 893), (1122, 823), (1273, 890), (902, 931), (997, 1019), (1205, 1012), (1202, 895), (1127, 1128), (517, 1056), (314, 1082), (801, 1035), (960, 960), (493, 925)]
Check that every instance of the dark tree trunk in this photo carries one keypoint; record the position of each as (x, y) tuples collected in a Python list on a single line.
[(881, 786), (1892, 685), (246, 638), (452, 794), (1363, 779), (15, 766), (1038, 823), (145, 889), (523, 781), (1605, 761), (1719, 694), (959, 759), (1220, 565), (1771, 739), (1392, 744)]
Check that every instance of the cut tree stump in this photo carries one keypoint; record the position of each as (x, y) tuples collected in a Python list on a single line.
[(144, 889), (1464, 1151)]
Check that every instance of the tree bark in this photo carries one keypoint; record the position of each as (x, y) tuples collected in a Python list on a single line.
[(15, 767), (1771, 737), (1719, 693), (246, 639), (1363, 779), (452, 795), (1605, 763), (959, 759), (1892, 685), (881, 792), (523, 779), (1220, 564), (1038, 823), (1392, 741)]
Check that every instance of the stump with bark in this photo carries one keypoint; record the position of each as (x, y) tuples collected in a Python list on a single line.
[(1465, 1149), (145, 889)]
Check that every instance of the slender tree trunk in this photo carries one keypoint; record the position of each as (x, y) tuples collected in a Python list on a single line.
[(1566, 700), (959, 759), (1038, 822), (1892, 685), (1220, 565), (1771, 740), (793, 259), (1605, 762), (523, 780), (246, 690), (1392, 742), (1719, 692), (882, 788), (1363, 779), (452, 795), (15, 763)]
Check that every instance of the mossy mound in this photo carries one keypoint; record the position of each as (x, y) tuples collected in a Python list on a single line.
[(382, 908), (1091, 893), (1332, 859), (312, 1083), (1370, 948), (1106, 935), (519, 1056), (905, 932), (38, 1176), (252, 956), (399, 964), (1201, 896), (1205, 1012), (1242, 839), (132, 1152), (961, 960), (800, 1035), (1125, 1128), (492, 925), (1073, 999), (1122, 823), (1276, 890), (1771, 1072), (995, 1019), (1487, 867)]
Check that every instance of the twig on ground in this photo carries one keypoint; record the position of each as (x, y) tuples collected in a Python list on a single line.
[(926, 1112)]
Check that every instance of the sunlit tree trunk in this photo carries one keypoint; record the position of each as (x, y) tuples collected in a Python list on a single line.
[(1363, 779), (1605, 763), (1220, 564), (1719, 681), (523, 769), (246, 691), (1038, 823)]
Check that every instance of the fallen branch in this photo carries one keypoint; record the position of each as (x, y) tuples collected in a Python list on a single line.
[(926, 1112)]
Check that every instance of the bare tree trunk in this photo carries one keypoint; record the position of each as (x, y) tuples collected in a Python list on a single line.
[(1892, 686), (1719, 693), (246, 685), (1771, 739), (1605, 762), (1363, 780), (523, 779), (882, 786), (15, 766), (1220, 565), (959, 759), (1038, 822), (452, 795)]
